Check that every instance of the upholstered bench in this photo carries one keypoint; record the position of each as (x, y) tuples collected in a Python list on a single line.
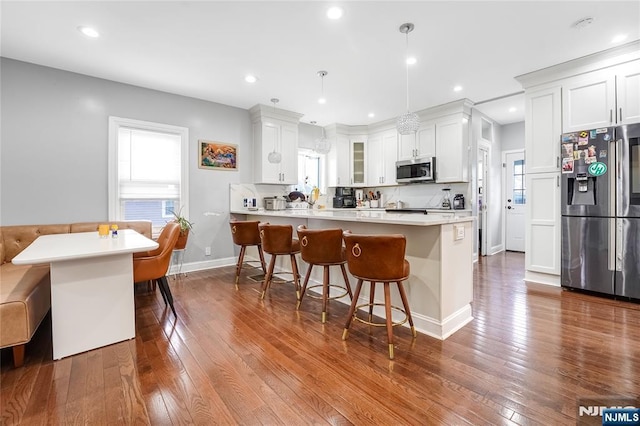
[(25, 290)]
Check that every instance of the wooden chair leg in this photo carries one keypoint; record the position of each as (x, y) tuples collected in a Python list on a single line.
[(267, 277), (346, 281), (18, 355), (407, 310), (325, 292), (387, 309), (262, 262), (352, 310), (304, 286), (239, 265), (296, 276), (372, 296)]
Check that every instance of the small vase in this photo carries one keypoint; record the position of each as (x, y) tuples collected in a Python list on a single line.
[(182, 240)]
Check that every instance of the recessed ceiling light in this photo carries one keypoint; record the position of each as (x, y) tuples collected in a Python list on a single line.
[(334, 12), (457, 88), (89, 32), (250, 78), (322, 101), (582, 23), (619, 38), (411, 60), (371, 115), (513, 109)]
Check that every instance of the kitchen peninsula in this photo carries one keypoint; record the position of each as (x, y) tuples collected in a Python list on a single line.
[(439, 248)]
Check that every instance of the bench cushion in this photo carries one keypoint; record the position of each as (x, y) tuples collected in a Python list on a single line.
[(25, 298)]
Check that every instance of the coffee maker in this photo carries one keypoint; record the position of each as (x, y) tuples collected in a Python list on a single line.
[(458, 202), (345, 198)]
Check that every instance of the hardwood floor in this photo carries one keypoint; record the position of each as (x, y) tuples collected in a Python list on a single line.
[(230, 358)]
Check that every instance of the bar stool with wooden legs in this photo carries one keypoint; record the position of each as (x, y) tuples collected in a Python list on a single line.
[(378, 259), (278, 240), (323, 247), (245, 234)]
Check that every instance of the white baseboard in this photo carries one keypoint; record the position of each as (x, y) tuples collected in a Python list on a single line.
[(201, 266), (497, 249), (541, 278)]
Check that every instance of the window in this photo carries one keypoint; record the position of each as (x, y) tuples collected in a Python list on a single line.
[(148, 169), (309, 171), (519, 191)]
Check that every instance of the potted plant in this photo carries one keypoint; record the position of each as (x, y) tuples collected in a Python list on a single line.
[(185, 227)]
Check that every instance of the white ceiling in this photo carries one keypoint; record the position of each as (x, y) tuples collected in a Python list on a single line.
[(203, 49)]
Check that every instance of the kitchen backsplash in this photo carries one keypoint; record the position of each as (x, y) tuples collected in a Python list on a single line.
[(413, 196)]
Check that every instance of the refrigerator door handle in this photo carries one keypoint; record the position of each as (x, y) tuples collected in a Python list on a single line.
[(612, 262), (613, 176), (619, 243)]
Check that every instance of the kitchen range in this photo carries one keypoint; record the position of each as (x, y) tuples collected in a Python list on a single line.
[(601, 210)]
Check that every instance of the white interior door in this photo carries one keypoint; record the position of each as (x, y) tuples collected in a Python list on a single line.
[(483, 181), (515, 200)]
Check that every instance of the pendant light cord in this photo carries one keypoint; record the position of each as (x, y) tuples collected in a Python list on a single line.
[(406, 60)]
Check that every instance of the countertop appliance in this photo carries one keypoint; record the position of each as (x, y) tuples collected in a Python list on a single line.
[(342, 191), (600, 201), (422, 169), (458, 202), (274, 203), (344, 202)]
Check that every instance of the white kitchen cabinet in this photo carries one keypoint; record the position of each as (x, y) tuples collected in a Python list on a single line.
[(543, 125), (420, 144), (338, 163), (357, 161), (452, 149), (602, 98), (382, 154), (628, 93), (542, 233), (275, 129)]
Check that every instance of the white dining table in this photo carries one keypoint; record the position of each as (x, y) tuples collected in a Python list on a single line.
[(92, 300)]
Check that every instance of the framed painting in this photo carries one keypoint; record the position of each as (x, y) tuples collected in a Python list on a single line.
[(217, 155)]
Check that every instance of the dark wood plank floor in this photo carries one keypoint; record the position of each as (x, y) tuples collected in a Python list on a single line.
[(230, 358)]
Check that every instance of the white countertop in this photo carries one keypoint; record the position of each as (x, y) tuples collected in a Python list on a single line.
[(361, 215), (70, 246)]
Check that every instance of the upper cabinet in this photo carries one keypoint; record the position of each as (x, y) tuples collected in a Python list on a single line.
[(275, 130), (543, 117), (382, 154), (420, 144), (452, 148), (338, 170), (602, 98), (628, 93)]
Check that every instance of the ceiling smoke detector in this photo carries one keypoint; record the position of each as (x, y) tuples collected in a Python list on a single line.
[(582, 23)]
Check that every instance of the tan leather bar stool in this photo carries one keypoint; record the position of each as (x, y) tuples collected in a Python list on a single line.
[(323, 247), (244, 234), (278, 240), (378, 259)]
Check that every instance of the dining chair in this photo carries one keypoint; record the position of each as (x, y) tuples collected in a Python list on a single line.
[(153, 265)]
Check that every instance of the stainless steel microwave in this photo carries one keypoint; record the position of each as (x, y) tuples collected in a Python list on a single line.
[(421, 169)]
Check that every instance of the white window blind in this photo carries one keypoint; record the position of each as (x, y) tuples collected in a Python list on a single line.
[(148, 164), (148, 171)]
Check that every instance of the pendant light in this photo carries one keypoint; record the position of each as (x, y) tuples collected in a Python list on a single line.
[(274, 157), (322, 145), (322, 75), (410, 122)]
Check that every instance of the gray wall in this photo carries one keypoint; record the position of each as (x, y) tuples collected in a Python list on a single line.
[(54, 142), (513, 136)]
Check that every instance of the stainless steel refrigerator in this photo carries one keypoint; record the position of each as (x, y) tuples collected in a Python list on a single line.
[(601, 210)]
